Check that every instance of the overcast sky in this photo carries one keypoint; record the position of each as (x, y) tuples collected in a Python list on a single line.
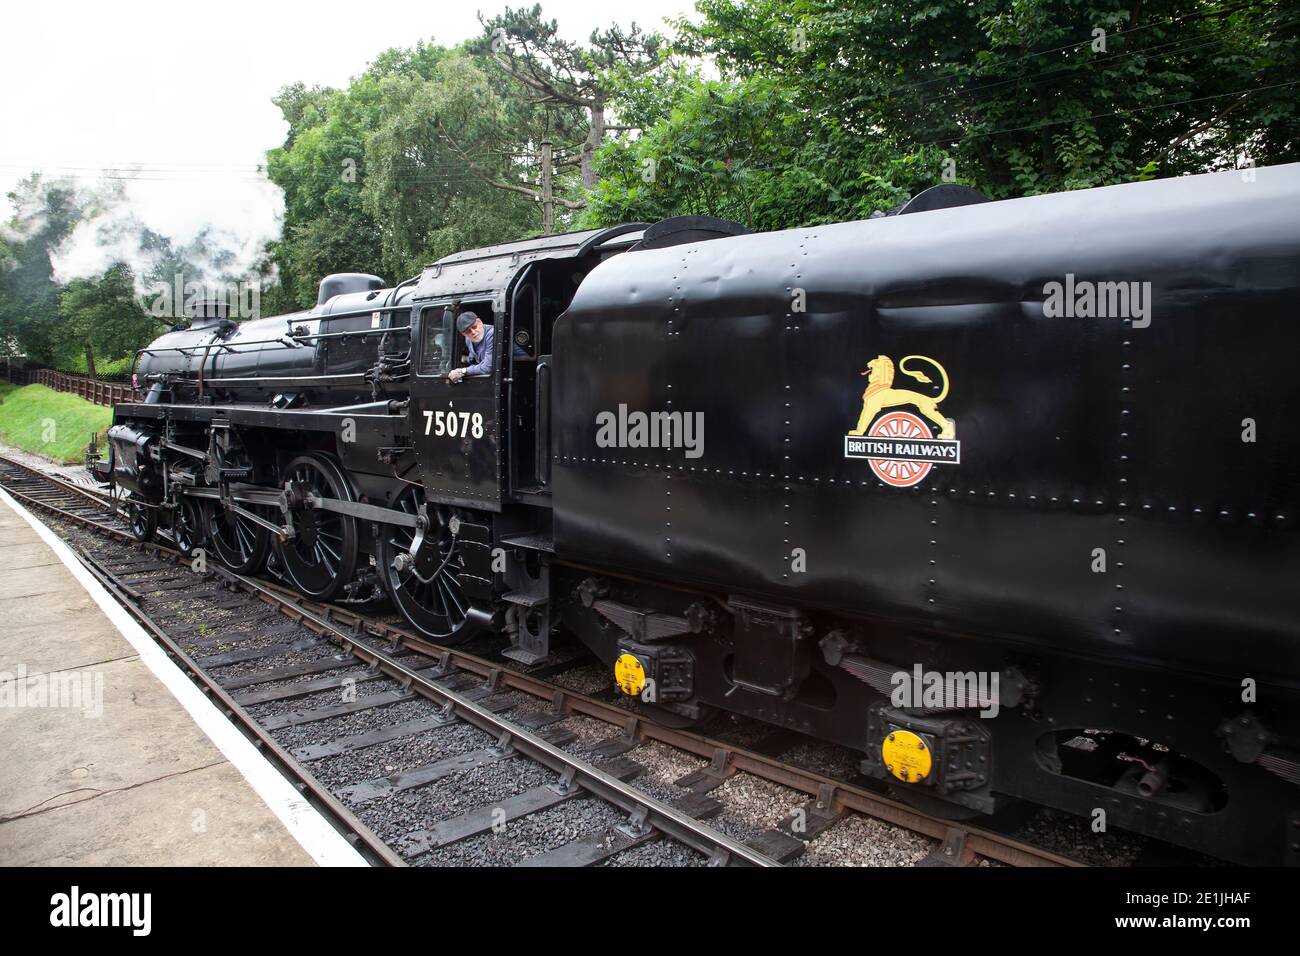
[(179, 95)]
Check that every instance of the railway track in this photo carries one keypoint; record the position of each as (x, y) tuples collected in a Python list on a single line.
[(339, 700)]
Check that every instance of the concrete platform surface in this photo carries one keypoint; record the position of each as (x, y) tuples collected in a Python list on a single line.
[(111, 756)]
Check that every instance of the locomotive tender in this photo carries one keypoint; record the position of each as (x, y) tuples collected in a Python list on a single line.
[(1049, 446)]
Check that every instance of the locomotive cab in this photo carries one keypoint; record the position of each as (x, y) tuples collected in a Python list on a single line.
[(455, 424), (483, 442)]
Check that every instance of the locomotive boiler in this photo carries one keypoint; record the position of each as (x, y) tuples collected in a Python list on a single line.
[(1003, 495)]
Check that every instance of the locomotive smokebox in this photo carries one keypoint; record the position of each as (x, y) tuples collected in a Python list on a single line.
[(342, 283)]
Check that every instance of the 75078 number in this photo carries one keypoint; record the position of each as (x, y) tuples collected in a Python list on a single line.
[(454, 424)]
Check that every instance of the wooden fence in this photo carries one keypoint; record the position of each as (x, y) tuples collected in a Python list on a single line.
[(92, 390)]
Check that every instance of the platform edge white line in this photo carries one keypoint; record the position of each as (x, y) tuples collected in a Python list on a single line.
[(315, 834)]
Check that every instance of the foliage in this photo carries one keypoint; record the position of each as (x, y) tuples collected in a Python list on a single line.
[(392, 172), (74, 326), (326, 228), (45, 213), (102, 316), (742, 150), (568, 82), (118, 369), (430, 165), (434, 149), (1028, 96)]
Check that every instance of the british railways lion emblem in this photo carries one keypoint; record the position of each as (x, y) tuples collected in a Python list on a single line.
[(901, 446)]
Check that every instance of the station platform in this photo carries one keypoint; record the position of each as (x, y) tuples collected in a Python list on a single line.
[(111, 755)]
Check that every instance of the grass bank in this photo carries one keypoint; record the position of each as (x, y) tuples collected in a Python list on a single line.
[(54, 424)]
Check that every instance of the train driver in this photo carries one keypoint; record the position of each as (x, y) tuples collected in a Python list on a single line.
[(478, 347)]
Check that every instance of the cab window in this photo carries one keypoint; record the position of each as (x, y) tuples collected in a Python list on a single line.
[(437, 341)]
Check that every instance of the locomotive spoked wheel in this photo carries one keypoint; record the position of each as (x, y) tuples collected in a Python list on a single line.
[(239, 544), (321, 557), (430, 597), (142, 520), (188, 526)]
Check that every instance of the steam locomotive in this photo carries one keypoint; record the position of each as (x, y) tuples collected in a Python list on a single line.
[(1004, 495)]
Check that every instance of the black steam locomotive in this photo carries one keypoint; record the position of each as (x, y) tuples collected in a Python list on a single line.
[(1004, 495)]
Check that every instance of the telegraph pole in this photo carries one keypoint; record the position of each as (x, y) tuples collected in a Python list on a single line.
[(548, 204)]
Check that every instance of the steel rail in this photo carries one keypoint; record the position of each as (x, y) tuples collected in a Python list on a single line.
[(95, 497), (90, 523), (837, 796), (681, 826), (841, 796)]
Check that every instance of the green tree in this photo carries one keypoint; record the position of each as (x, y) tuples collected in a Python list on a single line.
[(319, 168), (101, 317), (436, 149), (45, 214), (437, 165), (405, 165), (1032, 95), (743, 150), (570, 82)]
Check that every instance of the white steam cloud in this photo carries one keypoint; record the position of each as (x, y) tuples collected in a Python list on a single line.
[(129, 221)]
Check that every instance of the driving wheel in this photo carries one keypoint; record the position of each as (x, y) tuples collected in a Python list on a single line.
[(427, 592), (239, 544), (321, 556)]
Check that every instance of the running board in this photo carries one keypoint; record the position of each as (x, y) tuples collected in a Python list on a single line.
[(532, 541)]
